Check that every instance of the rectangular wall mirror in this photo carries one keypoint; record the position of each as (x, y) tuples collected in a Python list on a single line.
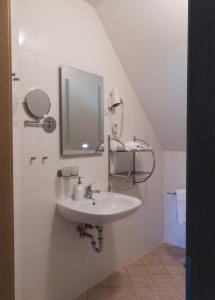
[(82, 111)]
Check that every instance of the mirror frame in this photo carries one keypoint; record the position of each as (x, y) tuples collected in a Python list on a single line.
[(72, 153)]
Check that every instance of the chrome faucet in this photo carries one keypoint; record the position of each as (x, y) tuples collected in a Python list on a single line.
[(90, 192)]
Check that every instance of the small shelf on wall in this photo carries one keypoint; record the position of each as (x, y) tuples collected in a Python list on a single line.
[(132, 175)]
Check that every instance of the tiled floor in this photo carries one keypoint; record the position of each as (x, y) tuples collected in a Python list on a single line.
[(158, 275)]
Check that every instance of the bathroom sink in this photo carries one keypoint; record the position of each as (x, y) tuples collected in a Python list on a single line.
[(104, 208)]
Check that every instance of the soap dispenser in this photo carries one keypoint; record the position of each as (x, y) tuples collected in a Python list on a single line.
[(79, 190)]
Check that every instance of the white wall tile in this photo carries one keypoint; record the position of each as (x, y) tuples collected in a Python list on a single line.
[(38, 210), (28, 33), (48, 77), (29, 176), (28, 6), (28, 68), (34, 278), (18, 284)]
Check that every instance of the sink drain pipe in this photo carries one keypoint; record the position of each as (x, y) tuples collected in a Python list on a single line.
[(83, 230)]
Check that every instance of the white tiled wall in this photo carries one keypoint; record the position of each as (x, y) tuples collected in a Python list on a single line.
[(52, 262)]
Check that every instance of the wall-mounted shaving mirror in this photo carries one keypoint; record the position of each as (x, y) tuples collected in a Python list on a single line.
[(37, 103), (82, 111)]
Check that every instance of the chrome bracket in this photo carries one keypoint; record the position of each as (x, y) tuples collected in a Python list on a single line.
[(49, 124)]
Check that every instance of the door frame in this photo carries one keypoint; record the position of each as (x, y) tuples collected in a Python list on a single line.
[(7, 284)]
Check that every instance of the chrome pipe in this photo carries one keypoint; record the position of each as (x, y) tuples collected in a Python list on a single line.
[(83, 233)]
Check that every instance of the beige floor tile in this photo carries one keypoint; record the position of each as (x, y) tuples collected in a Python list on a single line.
[(162, 281), (156, 269), (177, 251), (141, 281), (180, 280), (161, 251), (111, 294), (169, 260), (137, 270), (139, 261), (170, 294), (150, 259), (175, 269), (182, 293), (181, 259), (146, 294), (118, 280), (123, 271)]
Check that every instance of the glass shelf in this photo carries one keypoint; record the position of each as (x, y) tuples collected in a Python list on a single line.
[(137, 177), (130, 151), (125, 151)]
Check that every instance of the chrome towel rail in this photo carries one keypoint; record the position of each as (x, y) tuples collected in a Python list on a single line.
[(171, 193)]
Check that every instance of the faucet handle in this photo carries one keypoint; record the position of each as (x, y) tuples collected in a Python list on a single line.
[(90, 192), (89, 186)]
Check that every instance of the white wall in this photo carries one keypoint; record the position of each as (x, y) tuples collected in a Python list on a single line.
[(174, 178), (150, 38), (52, 262)]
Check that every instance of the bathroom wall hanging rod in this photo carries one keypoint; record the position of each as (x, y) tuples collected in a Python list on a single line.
[(171, 193), (61, 175)]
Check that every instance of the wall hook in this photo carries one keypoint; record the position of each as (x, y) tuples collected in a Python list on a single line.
[(44, 159), (32, 159)]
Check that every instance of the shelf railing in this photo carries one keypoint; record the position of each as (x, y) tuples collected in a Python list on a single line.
[(133, 175)]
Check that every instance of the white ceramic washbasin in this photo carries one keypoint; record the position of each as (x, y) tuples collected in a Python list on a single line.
[(106, 208)]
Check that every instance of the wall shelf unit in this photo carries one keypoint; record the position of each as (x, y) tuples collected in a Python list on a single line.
[(133, 175)]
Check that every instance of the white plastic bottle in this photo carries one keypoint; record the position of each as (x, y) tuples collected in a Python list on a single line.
[(79, 190)]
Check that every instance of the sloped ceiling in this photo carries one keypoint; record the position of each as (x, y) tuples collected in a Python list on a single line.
[(94, 2), (150, 38)]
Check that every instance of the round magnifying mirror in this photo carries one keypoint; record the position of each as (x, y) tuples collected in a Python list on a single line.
[(37, 103)]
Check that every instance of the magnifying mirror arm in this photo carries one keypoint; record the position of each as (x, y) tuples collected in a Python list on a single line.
[(35, 123), (48, 124)]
